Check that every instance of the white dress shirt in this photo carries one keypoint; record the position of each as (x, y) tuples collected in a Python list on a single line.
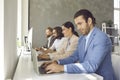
[(56, 44), (49, 41)]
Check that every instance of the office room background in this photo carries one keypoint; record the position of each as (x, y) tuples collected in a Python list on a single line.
[(40, 14), (44, 13)]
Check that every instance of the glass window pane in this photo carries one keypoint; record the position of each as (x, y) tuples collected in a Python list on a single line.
[(116, 17), (116, 3)]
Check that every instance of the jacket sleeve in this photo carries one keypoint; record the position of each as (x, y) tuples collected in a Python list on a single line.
[(94, 58), (71, 59)]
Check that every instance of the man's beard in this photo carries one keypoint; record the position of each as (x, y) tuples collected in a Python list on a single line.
[(48, 36)]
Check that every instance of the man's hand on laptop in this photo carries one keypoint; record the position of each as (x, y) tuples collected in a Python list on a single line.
[(45, 64), (54, 68)]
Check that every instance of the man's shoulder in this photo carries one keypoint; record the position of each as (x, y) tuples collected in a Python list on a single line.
[(101, 37), (98, 33)]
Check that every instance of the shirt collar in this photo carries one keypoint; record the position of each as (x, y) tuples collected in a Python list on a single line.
[(87, 36), (49, 37)]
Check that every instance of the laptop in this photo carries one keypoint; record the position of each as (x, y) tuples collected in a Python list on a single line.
[(37, 62)]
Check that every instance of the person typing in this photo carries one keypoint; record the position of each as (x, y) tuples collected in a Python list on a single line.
[(68, 44), (92, 55)]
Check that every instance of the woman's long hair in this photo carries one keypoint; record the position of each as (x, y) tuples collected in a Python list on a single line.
[(69, 24), (58, 29)]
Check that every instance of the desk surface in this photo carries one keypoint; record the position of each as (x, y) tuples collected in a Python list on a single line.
[(25, 71)]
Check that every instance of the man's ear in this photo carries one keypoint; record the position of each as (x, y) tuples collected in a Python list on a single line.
[(89, 21)]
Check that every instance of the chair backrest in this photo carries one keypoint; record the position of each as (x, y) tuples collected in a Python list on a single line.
[(116, 65)]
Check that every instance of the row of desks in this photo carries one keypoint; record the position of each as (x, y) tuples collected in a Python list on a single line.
[(25, 71)]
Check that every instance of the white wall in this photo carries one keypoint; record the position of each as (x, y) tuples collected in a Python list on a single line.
[(10, 33), (1, 39), (44, 13), (10, 30)]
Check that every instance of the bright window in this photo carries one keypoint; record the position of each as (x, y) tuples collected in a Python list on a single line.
[(19, 24), (117, 13)]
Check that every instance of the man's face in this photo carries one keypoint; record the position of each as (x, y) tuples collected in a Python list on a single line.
[(54, 33), (82, 25), (48, 33)]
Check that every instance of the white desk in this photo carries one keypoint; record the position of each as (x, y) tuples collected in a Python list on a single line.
[(25, 71)]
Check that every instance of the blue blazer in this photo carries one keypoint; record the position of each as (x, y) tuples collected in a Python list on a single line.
[(96, 58)]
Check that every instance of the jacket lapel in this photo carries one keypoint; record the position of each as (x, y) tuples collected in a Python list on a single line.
[(91, 38)]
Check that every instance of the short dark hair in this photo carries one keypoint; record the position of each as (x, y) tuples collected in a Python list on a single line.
[(86, 14), (50, 29)]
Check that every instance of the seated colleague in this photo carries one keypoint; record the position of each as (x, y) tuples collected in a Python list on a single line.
[(58, 35), (92, 57), (50, 39), (68, 44)]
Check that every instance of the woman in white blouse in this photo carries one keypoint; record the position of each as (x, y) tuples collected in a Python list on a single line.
[(57, 33)]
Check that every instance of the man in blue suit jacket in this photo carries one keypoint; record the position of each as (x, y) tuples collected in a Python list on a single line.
[(93, 54)]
